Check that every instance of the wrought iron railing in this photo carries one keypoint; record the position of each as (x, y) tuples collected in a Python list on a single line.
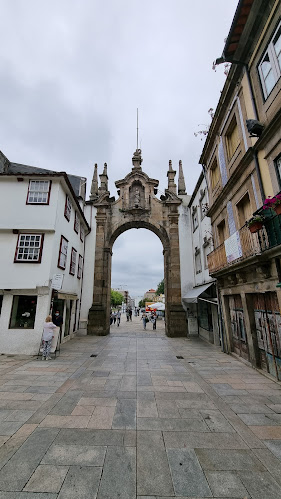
[(250, 244)]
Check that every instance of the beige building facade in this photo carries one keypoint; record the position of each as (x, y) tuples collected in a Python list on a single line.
[(242, 162)]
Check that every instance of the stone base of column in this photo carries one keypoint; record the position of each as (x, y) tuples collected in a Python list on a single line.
[(176, 325), (97, 323)]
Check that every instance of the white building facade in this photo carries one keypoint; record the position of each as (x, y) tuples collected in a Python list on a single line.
[(199, 291), (42, 238)]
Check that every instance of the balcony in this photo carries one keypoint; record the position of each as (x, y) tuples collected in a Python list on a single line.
[(243, 244)]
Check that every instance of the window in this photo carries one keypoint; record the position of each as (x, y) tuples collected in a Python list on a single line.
[(203, 204), (198, 264), (1, 301), (38, 192), (63, 253), (277, 163), (207, 248), (29, 248), (232, 139), (194, 218), (82, 233), (221, 232), (73, 261), (270, 65), (76, 223), (80, 266), (67, 209), (215, 174), (244, 209), (23, 312)]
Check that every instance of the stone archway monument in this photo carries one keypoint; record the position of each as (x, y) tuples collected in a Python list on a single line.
[(136, 207)]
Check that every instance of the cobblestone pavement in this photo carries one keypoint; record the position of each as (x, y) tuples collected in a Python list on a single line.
[(136, 421)]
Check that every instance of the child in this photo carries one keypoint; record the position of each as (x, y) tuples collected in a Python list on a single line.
[(48, 329)]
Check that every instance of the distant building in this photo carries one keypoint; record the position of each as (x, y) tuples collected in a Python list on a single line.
[(149, 295)]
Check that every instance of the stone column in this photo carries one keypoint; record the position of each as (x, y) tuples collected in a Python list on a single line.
[(176, 324), (98, 321)]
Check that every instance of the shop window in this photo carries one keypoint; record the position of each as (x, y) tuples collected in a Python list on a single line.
[(232, 139), (23, 312), (76, 223), (205, 318), (221, 229), (215, 174), (194, 218), (29, 248), (198, 263), (67, 208), (38, 192), (82, 233), (244, 209), (73, 261), (63, 253), (80, 267), (270, 65)]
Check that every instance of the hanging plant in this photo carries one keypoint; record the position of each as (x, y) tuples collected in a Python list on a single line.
[(273, 203), (255, 223)]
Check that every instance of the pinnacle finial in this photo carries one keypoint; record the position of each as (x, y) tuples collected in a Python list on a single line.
[(171, 178), (95, 185), (181, 181), (104, 179)]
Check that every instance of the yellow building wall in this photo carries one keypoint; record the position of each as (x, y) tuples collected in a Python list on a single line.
[(266, 180)]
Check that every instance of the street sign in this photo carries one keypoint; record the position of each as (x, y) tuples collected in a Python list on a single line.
[(57, 281)]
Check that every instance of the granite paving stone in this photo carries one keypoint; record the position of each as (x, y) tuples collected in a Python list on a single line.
[(152, 465), (125, 415), (119, 474), (47, 478), (228, 460), (226, 484), (81, 483), (187, 475), (26, 459), (260, 485)]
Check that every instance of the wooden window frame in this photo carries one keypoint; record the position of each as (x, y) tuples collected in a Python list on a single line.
[(76, 223), (73, 261), (60, 252), (82, 233), (229, 146), (273, 60), (29, 190), (67, 208), (22, 234), (212, 169), (80, 266)]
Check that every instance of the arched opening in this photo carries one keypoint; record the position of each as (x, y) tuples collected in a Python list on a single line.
[(137, 263)]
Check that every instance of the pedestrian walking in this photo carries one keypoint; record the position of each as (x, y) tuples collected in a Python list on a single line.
[(118, 316), (58, 321), (153, 320), (48, 330), (114, 317), (130, 313), (144, 320), (111, 318), (127, 314)]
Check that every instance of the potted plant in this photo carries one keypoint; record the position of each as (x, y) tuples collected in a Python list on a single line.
[(273, 203), (255, 223)]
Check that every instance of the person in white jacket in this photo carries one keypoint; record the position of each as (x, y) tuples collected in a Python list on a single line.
[(48, 330)]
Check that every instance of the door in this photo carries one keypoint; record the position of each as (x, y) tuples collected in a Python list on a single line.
[(238, 330)]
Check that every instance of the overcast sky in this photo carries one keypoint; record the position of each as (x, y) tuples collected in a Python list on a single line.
[(73, 72)]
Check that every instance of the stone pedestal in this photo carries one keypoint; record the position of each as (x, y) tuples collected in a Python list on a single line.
[(96, 321), (176, 325)]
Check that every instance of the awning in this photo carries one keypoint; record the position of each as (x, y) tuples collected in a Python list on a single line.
[(192, 294)]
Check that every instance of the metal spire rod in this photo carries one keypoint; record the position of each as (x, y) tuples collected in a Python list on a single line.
[(137, 128)]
